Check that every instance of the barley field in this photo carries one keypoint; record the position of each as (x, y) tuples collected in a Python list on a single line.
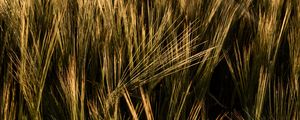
[(149, 59)]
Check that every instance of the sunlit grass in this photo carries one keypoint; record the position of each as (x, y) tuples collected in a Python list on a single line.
[(153, 59)]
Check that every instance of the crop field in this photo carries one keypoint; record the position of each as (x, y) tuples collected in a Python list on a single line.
[(149, 59)]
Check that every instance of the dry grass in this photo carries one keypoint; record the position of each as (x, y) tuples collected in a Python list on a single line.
[(153, 59)]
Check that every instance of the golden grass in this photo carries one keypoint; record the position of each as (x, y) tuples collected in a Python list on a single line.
[(152, 59)]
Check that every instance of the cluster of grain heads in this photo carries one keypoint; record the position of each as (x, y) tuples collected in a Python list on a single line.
[(141, 59), (36, 44), (255, 66)]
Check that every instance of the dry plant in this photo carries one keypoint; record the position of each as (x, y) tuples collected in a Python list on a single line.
[(149, 59)]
